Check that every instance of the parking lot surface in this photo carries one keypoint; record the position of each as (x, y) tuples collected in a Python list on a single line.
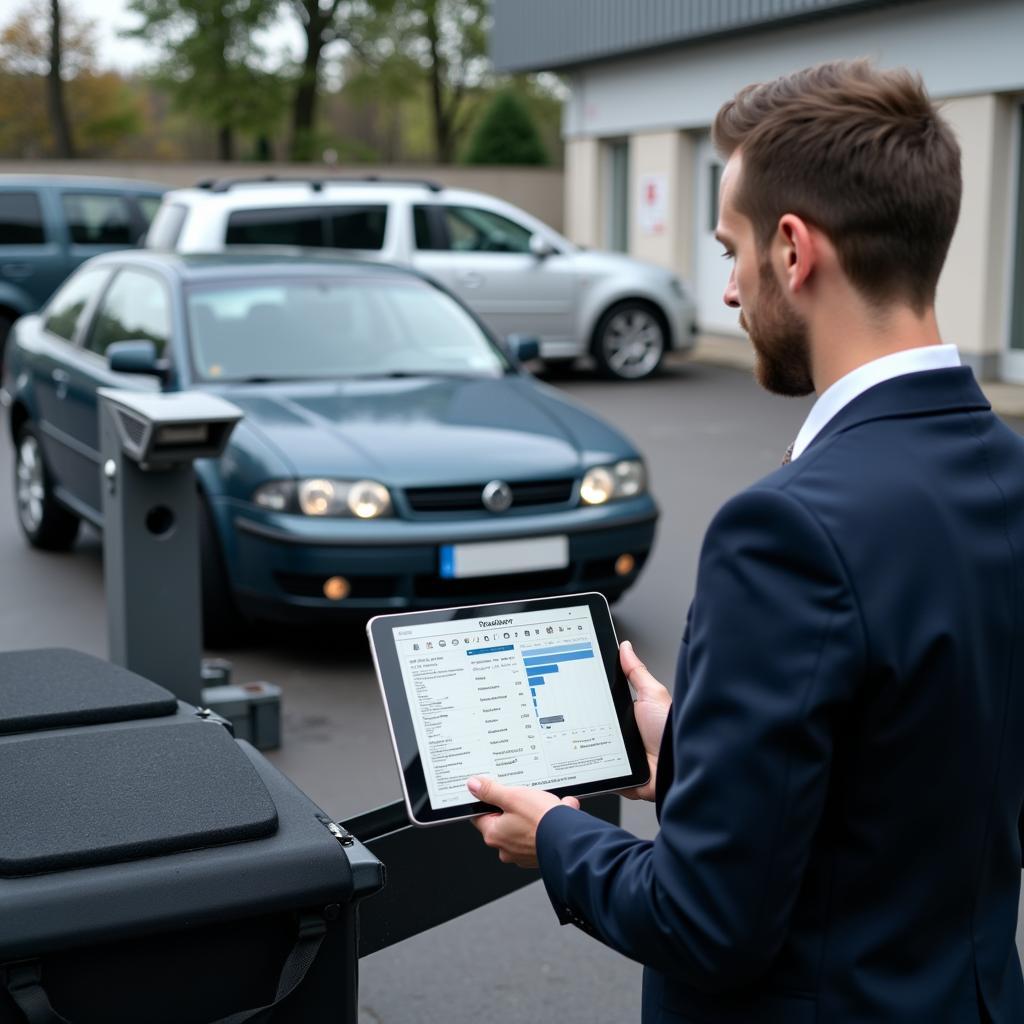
[(707, 431)]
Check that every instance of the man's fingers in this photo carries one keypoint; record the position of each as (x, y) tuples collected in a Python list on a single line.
[(636, 670), (571, 801), (490, 791)]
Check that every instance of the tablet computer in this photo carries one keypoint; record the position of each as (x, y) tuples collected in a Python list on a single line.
[(528, 692)]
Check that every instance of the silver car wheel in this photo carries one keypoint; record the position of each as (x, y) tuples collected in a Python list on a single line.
[(632, 343), (30, 485)]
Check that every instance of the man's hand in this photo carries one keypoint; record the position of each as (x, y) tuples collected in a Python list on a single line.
[(513, 833), (651, 709)]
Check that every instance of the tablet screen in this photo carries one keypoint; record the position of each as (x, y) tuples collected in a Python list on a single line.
[(521, 697)]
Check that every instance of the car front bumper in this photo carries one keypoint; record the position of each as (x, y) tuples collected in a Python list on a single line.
[(278, 564)]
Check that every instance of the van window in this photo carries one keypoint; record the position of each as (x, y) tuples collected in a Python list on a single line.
[(21, 219), (98, 219), (293, 225), (358, 227), (471, 229)]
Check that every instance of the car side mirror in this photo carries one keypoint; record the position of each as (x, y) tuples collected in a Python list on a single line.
[(541, 247), (134, 357), (522, 348)]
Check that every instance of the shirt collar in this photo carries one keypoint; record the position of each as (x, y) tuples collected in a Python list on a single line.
[(856, 382)]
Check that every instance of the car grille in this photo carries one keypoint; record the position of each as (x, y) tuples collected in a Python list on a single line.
[(469, 497)]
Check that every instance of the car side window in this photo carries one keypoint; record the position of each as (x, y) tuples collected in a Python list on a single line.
[(21, 219), (428, 237), (472, 229), (65, 309), (148, 205), (136, 307), (293, 225), (98, 219), (357, 227)]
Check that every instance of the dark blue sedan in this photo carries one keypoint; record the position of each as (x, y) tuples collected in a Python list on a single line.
[(393, 455)]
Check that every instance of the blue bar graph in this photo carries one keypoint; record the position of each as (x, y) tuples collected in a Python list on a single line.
[(489, 650), (533, 652), (568, 656), (536, 681), (541, 670)]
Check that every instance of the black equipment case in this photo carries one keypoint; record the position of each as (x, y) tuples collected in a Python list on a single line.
[(154, 870)]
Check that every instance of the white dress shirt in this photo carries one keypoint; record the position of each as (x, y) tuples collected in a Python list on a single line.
[(856, 382)]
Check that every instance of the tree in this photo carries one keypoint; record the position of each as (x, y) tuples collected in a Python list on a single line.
[(443, 42), (506, 134), (212, 64), (320, 26), (55, 88), (105, 110)]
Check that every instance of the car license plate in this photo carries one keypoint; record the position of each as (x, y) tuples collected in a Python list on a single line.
[(497, 558)]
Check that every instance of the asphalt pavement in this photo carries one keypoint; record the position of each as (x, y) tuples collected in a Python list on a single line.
[(707, 431)]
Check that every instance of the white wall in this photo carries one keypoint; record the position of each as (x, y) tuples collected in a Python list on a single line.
[(583, 192), (972, 293), (960, 47), (669, 157)]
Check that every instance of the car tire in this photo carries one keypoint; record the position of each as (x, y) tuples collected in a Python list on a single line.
[(47, 525), (561, 366), (223, 626), (6, 323), (630, 340)]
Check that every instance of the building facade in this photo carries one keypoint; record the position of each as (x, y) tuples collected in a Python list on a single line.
[(647, 76)]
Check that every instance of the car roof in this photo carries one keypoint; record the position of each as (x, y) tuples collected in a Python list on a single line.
[(245, 193), (79, 181), (266, 262)]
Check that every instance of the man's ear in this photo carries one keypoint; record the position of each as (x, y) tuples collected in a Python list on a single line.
[(796, 252)]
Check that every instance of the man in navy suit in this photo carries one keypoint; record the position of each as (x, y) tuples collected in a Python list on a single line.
[(840, 776)]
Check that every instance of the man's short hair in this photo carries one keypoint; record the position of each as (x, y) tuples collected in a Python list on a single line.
[(863, 155)]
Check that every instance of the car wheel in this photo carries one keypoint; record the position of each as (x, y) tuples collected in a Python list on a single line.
[(223, 626), (629, 341), (45, 523)]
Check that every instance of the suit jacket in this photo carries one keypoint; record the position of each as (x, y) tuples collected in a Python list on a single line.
[(841, 781)]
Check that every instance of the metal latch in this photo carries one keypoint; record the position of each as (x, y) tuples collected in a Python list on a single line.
[(341, 834)]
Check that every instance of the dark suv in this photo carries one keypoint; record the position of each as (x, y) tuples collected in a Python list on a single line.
[(49, 224)]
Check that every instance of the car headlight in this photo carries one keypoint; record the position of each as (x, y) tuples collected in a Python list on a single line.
[(625, 479), (320, 496)]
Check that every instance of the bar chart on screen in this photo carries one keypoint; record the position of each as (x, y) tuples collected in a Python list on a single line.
[(561, 679)]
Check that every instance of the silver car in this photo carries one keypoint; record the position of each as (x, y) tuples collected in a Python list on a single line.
[(519, 275)]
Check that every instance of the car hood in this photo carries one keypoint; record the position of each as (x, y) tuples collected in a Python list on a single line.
[(598, 262), (427, 431)]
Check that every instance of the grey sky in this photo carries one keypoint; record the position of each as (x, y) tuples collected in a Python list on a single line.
[(127, 54)]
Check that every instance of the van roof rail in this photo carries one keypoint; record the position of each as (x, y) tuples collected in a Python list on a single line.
[(317, 184)]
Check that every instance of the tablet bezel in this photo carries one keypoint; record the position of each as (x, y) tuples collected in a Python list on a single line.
[(380, 631)]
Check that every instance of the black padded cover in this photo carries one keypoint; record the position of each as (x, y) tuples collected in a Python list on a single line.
[(124, 792), (56, 687)]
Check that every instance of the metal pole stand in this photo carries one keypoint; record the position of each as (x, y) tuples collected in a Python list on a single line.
[(151, 550)]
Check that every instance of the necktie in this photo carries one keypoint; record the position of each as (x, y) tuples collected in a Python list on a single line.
[(788, 457)]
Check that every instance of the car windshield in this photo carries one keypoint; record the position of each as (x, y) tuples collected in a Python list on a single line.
[(306, 328)]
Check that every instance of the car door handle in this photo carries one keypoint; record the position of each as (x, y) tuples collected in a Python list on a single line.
[(470, 279), (60, 380), (15, 271)]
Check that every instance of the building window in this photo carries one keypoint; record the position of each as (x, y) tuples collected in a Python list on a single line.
[(618, 196)]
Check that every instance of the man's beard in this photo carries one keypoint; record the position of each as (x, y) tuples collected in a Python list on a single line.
[(779, 337)]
